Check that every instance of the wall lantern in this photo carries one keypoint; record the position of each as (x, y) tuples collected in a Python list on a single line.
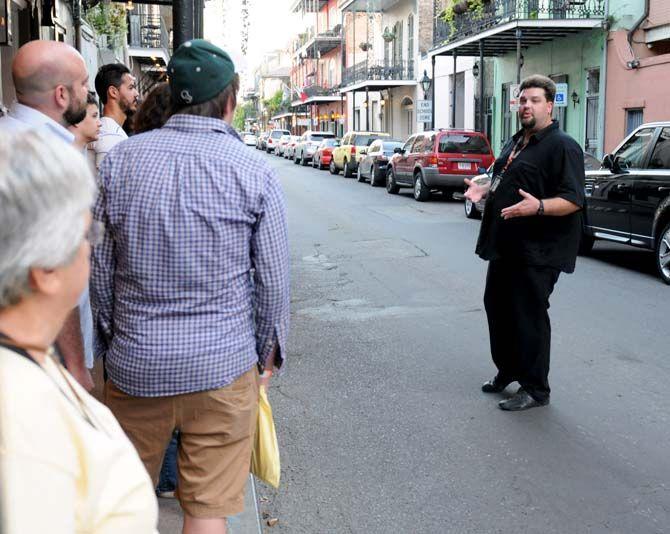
[(575, 99), (425, 83), (475, 70)]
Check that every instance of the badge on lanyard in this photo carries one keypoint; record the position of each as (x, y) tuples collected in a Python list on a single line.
[(495, 184)]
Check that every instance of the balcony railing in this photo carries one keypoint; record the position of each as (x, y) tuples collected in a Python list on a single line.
[(378, 70), (496, 12), (319, 90), (148, 31)]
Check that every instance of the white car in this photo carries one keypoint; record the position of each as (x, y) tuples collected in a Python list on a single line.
[(249, 139)]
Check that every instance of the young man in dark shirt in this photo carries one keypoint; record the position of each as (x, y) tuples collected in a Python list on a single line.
[(529, 234)]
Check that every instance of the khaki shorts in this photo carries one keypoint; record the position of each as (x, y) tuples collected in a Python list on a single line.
[(217, 429)]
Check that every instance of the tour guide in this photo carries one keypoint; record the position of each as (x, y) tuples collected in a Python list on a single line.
[(530, 233)]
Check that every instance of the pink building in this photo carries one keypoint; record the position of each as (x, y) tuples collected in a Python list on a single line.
[(638, 71)]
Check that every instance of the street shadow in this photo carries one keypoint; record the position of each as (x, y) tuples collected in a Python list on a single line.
[(633, 259)]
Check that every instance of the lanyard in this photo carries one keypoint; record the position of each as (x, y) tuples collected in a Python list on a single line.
[(9, 344), (515, 152)]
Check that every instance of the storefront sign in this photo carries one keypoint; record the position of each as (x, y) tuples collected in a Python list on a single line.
[(424, 116), (424, 105)]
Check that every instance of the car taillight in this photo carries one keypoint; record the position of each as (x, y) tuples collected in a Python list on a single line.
[(269, 141), (353, 150), (432, 160)]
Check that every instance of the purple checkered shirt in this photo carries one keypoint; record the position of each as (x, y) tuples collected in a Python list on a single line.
[(190, 287)]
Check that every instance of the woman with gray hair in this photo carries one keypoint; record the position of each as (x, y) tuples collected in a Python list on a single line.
[(65, 463)]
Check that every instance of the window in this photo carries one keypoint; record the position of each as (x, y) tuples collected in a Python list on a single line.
[(429, 143), (364, 140), (408, 145), (418, 144), (506, 114), (592, 104), (633, 151), (375, 147), (410, 37), (634, 118), (463, 144), (660, 158)]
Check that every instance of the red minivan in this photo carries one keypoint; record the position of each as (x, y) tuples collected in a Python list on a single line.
[(438, 160)]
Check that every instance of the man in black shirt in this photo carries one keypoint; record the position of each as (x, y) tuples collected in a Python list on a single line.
[(530, 233)]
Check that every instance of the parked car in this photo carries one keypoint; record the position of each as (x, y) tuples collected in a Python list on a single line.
[(475, 210), (309, 142), (290, 146), (281, 144), (324, 153), (273, 139), (352, 149), (373, 164), (249, 138), (628, 199), (262, 141), (438, 160)]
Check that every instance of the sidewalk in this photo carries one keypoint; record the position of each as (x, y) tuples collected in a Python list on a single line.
[(169, 520)]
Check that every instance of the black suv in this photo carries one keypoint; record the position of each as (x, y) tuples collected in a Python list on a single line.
[(628, 199)]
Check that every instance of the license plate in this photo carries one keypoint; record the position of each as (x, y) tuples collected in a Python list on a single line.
[(464, 166)]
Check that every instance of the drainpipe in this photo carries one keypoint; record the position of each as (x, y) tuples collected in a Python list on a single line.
[(635, 63), (76, 16), (602, 90)]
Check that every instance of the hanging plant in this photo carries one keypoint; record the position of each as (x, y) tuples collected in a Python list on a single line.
[(388, 35), (365, 46), (477, 8)]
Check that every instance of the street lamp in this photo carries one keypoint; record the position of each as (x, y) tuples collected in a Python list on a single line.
[(425, 84)]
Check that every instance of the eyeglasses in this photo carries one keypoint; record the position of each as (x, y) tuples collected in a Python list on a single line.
[(96, 233)]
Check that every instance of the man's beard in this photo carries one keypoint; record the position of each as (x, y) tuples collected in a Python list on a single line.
[(127, 108), (74, 115), (528, 124)]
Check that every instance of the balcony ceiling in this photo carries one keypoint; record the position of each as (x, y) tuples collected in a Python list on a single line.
[(308, 6), (501, 40), (364, 5), (320, 43), (377, 85)]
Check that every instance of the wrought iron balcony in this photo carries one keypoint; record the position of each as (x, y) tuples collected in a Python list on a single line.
[(467, 22), (319, 90), (377, 70), (148, 31)]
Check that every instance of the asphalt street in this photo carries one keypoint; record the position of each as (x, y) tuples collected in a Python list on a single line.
[(380, 418)]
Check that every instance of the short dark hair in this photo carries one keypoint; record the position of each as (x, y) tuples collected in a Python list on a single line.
[(154, 110), (540, 82), (110, 75), (215, 107), (91, 98)]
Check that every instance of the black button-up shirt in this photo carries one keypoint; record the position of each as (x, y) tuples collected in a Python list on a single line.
[(550, 166)]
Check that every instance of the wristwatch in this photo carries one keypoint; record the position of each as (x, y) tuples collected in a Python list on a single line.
[(540, 209)]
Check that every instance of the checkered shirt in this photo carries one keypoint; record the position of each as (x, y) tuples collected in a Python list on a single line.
[(190, 287)]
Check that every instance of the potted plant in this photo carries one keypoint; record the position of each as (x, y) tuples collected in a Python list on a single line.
[(388, 35)]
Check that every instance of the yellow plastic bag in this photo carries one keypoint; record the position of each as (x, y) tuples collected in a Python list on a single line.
[(265, 455)]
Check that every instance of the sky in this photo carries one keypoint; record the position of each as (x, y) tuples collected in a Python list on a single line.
[(271, 25)]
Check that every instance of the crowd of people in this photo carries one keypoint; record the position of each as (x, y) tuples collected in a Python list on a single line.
[(146, 237)]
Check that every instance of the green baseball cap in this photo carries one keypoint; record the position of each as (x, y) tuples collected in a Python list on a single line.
[(198, 71)]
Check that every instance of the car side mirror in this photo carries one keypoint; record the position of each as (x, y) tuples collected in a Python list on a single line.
[(398, 150), (608, 161), (363, 151)]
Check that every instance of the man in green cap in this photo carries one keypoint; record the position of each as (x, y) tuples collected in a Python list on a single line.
[(190, 287)]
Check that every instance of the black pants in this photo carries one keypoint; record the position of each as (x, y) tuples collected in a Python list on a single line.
[(516, 301)]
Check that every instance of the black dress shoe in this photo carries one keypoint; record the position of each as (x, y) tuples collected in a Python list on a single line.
[(521, 400), (494, 386)]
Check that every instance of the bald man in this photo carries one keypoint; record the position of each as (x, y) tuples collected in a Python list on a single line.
[(51, 85)]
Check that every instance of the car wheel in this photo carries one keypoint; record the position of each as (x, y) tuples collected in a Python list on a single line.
[(314, 162), (391, 185), (663, 254), (359, 174), (471, 211), (374, 171), (586, 243), (332, 168), (347, 171), (295, 158), (303, 161), (421, 191)]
